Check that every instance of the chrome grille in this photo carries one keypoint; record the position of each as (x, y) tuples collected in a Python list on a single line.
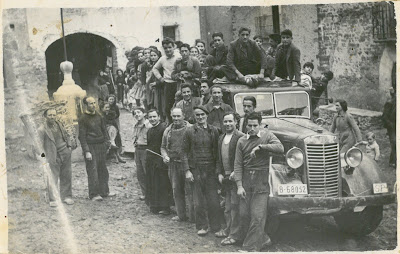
[(323, 169)]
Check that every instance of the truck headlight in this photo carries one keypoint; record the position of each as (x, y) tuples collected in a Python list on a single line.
[(295, 157), (353, 157)]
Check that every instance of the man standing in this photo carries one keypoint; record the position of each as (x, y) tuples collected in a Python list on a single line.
[(188, 102), (166, 65), (389, 122), (171, 150), (56, 146), (200, 146), (245, 57), (252, 177), (95, 142), (140, 142), (226, 150), (217, 108), (205, 93), (158, 188), (249, 106), (287, 60)]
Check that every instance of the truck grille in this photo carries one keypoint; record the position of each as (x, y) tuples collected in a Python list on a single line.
[(323, 169)]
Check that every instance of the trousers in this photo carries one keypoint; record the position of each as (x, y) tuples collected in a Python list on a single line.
[(254, 209), (61, 170), (97, 171), (140, 160), (206, 202), (231, 211), (180, 187)]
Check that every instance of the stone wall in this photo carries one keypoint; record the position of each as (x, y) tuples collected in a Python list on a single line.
[(346, 47)]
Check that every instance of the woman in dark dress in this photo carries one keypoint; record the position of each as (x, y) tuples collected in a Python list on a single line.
[(158, 186)]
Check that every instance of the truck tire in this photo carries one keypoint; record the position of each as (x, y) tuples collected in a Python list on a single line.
[(360, 223), (272, 226)]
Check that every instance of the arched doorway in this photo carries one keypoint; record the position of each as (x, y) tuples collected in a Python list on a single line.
[(89, 54)]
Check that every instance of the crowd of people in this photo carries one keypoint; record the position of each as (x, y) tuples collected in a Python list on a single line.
[(192, 150)]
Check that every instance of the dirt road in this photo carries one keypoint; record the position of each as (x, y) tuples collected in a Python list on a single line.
[(124, 224)]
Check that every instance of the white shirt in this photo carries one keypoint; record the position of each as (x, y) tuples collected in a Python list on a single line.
[(227, 138)]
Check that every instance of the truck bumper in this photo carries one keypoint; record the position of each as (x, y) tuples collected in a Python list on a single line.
[(326, 206)]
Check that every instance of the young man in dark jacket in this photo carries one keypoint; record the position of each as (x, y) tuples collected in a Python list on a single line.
[(245, 57), (216, 60), (287, 59)]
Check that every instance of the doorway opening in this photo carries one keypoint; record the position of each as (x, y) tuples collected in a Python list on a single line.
[(89, 54)]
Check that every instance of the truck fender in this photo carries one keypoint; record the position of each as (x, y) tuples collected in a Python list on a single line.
[(361, 181)]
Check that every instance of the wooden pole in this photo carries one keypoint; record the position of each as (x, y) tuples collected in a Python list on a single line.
[(62, 25)]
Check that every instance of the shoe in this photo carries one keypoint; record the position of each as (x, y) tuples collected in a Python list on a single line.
[(114, 146), (112, 194), (53, 204), (69, 201), (121, 160), (142, 198), (202, 232), (164, 212), (266, 244), (97, 198), (221, 234), (177, 219)]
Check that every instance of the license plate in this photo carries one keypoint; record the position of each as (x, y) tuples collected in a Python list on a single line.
[(292, 189), (380, 188)]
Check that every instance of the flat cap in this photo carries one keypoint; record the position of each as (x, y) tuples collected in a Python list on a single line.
[(201, 107)]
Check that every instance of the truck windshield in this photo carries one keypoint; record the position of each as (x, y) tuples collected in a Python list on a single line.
[(292, 104), (264, 103)]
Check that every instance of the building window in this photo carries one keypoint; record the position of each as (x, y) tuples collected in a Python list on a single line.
[(268, 23), (383, 22), (170, 32)]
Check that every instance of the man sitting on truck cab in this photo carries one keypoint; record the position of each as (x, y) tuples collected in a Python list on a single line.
[(244, 57)]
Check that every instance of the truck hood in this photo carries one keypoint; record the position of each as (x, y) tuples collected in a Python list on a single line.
[(293, 129)]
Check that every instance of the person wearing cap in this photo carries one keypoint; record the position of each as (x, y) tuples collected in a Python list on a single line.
[(251, 173), (287, 59), (57, 148), (244, 57), (199, 158), (389, 122), (171, 150)]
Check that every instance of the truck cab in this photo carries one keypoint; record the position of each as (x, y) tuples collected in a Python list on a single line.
[(312, 178)]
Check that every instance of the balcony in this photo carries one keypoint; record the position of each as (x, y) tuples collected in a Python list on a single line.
[(384, 22)]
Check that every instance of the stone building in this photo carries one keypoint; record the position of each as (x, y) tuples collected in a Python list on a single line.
[(355, 41), (33, 48)]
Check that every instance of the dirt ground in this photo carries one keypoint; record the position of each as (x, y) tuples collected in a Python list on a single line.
[(123, 224)]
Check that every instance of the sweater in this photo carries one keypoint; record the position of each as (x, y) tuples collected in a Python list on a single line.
[(92, 130), (243, 161)]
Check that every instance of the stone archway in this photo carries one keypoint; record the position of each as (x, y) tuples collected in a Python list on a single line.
[(88, 52)]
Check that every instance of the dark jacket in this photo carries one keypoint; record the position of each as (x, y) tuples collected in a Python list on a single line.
[(192, 65), (48, 142), (232, 151), (237, 59), (292, 57), (220, 54), (189, 149)]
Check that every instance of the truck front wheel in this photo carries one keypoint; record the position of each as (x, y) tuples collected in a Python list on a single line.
[(360, 223)]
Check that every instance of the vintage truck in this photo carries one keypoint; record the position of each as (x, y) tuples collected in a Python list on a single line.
[(312, 178)]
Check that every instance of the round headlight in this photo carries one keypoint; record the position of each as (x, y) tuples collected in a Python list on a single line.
[(353, 157), (295, 157)]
